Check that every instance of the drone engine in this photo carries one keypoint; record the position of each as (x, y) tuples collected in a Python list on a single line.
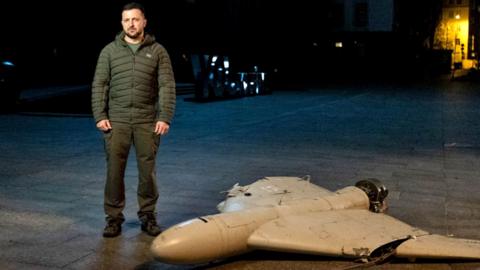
[(376, 192)]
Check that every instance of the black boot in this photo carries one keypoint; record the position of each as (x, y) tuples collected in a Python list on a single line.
[(149, 225), (112, 229)]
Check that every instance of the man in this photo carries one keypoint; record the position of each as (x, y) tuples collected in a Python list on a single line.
[(133, 102)]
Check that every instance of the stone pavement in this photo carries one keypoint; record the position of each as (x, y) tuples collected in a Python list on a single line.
[(421, 140)]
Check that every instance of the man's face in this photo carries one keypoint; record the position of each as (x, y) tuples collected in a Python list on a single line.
[(133, 23)]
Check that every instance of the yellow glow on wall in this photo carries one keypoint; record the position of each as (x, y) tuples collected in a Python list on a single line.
[(459, 36), (452, 32), (462, 28)]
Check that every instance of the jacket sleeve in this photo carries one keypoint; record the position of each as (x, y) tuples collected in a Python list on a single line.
[(166, 88), (100, 87)]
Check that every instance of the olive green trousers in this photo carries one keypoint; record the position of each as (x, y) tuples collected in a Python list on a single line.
[(117, 146)]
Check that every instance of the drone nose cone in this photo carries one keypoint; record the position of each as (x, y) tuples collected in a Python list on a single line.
[(194, 241)]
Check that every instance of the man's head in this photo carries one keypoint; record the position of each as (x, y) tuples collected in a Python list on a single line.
[(134, 22)]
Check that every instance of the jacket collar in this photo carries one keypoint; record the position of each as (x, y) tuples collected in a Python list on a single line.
[(147, 40)]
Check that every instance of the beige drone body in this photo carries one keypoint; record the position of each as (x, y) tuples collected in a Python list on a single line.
[(291, 214)]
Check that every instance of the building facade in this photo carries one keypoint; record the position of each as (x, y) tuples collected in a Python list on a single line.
[(364, 15), (454, 33)]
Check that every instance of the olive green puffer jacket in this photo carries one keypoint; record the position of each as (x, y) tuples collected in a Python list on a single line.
[(133, 87)]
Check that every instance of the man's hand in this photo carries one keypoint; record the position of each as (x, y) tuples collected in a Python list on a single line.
[(161, 128), (104, 125)]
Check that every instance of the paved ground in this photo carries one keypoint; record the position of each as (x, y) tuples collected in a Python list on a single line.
[(421, 140)]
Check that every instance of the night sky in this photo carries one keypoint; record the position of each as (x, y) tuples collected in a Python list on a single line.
[(58, 42)]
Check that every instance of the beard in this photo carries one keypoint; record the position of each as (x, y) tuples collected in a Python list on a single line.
[(133, 35)]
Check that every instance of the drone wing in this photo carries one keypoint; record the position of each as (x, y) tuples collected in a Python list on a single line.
[(357, 233), (271, 191)]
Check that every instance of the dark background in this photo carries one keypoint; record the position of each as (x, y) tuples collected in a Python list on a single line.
[(57, 43)]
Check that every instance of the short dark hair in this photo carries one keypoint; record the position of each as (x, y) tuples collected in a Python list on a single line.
[(134, 5)]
